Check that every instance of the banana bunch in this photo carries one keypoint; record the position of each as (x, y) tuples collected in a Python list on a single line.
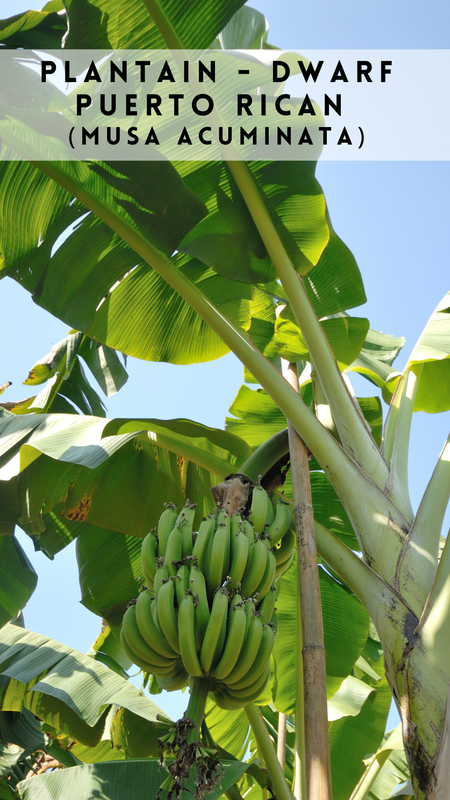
[(209, 608)]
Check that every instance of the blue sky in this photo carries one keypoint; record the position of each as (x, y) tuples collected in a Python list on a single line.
[(394, 217)]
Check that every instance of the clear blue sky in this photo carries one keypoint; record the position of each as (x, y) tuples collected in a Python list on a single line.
[(394, 217)]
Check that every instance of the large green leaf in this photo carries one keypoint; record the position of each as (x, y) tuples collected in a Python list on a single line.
[(353, 738), (97, 24), (114, 475), (17, 578), (377, 355), (35, 29), (346, 626), (346, 336), (68, 690), (136, 779), (431, 355)]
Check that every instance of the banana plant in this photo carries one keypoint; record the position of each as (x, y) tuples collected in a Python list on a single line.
[(165, 298)]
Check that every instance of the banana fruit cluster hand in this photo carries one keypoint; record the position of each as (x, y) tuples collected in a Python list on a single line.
[(209, 608)]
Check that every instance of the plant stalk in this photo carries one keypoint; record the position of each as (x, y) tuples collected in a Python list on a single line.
[(356, 439), (281, 743), (317, 750), (196, 708), (373, 770), (300, 757), (266, 748)]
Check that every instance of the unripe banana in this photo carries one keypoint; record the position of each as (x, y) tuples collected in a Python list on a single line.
[(148, 627), (254, 689), (268, 578), (187, 514), (255, 569), (281, 523), (239, 556), (224, 699), (142, 663), (182, 584), (259, 508), (186, 628), (266, 607), (236, 524), (259, 664), (174, 550), (137, 643), (249, 650), (286, 547), (218, 555), (187, 543), (185, 520), (177, 681), (213, 635), (237, 621), (205, 532), (166, 525), (249, 531), (167, 615), (149, 554), (282, 568), (202, 612), (162, 575)]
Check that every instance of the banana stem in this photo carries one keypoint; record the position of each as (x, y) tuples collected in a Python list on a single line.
[(281, 743), (300, 758), (310, 626), (369, 776), (266, 456), (356, 438), (266, 748), (196, 708)]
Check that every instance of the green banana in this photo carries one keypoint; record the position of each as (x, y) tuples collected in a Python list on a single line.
[(254, 571), (226, 700), (286, 547), (187, 514), (177, 681), (249, 531), (237, 621), (239, 556), (281, 568), (236, 524), (147, 666), (281, 523), (137, 643), (186, 626), (148, 627), (254, 689), (249, 650), (147, 580), (182, 584), (213, 634), (259, 664), (149, 554), (162, 575), (259, 508), (205, 532), (266, 607), (187, 543), (202, 612), (268, 577), (174, 550), (167, 615), (218, 555), (166, 525)]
